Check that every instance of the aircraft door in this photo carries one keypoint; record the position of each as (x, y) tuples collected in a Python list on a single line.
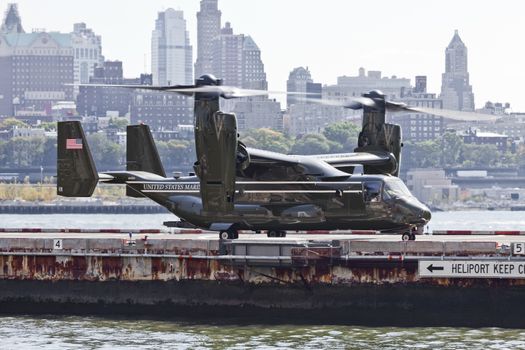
[(354, 200)]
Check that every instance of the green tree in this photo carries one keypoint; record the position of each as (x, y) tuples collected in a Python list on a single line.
[(118, 123), (49, 156), (343, 136), (8, 124), (311, 144), (48, 126), (106, 154), (267, 139), (451, 145), (24, 151), (520, 156), (181, 152), (479, 155), (425, 154), (3, 150)]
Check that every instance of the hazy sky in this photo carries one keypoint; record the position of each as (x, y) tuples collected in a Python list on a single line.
[(331, 37)]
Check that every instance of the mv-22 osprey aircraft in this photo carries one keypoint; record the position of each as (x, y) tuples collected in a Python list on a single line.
[(239, 188)]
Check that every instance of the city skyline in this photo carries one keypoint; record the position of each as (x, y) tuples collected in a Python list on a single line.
[(338, 45)]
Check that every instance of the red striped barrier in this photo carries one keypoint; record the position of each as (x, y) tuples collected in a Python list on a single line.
[(189, 231), (480, 232), (318, 232), (199, 231), (150, 231), (81, 230), (510, 233), (363, 232), (457, 232)]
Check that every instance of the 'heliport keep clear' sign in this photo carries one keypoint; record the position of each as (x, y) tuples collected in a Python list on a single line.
[(472, 269)]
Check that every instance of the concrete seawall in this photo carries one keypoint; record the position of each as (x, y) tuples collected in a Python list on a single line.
[(328, 279)]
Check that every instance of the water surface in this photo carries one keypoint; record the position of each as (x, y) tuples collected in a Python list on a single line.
[(98, 333)]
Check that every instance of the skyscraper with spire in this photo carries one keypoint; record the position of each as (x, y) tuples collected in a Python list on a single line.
[(12, 22), (208, 28), (456, 92)]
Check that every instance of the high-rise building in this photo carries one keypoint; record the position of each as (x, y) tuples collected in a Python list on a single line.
[(171, 52), (88, 53), (253, 75), (300, 80), (421, 84), (161, 110), (258, 112), (208, 28), (418, 127), (236, 59), (456, 92), (227, 57), (35, 68), (100, 101)]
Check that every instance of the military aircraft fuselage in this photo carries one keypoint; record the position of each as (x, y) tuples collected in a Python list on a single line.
[(371, 202)]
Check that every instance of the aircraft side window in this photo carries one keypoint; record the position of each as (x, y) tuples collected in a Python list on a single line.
[(372, 191)]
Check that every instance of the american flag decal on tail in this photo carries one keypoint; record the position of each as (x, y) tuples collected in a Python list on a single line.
[(73, 143)]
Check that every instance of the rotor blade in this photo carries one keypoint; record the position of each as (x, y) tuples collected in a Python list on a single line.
[(450, 114), (232, 91), (351, 103), (142, 87), (224, 91)]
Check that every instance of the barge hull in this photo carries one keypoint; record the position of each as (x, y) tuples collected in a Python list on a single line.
[(365, 304), (329, 280)]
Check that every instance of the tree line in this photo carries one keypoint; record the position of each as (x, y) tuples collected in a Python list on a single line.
[(31, 152), (447, 151), (450, 151)]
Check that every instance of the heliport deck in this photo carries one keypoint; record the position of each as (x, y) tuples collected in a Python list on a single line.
[(344, 278)]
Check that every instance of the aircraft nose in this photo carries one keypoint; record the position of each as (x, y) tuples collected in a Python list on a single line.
[(417, 212), (425, 214)]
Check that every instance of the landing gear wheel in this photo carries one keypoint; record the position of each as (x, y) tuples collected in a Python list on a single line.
[(231, 234), (275, 233), (406, 236)]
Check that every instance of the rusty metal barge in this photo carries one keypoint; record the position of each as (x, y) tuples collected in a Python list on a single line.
[(341, 278)]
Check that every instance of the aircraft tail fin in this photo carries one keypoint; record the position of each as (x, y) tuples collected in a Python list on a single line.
[(379, 137), (141, 153), (76, 172)]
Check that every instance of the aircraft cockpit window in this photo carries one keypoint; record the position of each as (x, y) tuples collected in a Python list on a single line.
[(396, 188), (372, 191)]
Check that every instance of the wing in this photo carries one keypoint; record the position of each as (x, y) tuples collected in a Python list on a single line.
[(282, 167), (384, 161)]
